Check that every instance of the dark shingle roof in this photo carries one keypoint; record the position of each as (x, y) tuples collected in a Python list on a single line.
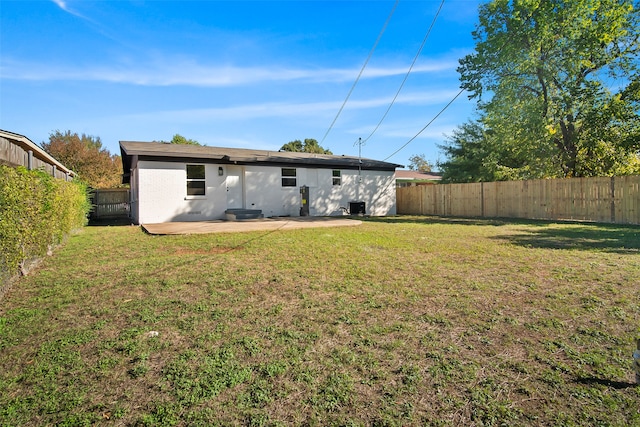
[(242, 156)]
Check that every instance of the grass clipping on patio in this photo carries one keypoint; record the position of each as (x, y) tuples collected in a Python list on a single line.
[(400, 321)]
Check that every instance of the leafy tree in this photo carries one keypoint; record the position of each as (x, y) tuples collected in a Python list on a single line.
[(469, 154), (563, 89), (85, 155), (179, 139), (308, 146), (418, 162)]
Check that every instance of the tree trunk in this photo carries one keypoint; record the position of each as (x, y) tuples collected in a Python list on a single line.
[(568, 147)]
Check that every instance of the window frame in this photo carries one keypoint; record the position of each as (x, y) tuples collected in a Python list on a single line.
[(196, 177), (289, 178), (336, 177)]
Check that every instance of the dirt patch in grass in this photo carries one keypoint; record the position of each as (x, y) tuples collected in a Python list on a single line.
[(400, 321), (210, 251)]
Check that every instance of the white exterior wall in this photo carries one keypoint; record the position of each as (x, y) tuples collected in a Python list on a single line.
[(160, 195), (376, 188), (264, 190)]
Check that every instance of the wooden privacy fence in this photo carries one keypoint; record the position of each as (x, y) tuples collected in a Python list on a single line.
[(18, 150), (110, 203), (613, 200)]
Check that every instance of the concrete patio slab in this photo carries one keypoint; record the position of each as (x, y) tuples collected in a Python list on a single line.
[(266, 224)]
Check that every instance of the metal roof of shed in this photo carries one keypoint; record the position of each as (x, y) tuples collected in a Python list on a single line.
[(242, 156)]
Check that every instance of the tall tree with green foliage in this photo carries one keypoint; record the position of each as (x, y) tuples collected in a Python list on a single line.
[(418, 162), (307, 146), (85, 155), (179, 139), (469, 153), (558, 88)]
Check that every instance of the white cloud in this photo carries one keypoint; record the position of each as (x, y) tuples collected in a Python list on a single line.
[(242, 113), (188, 72), (431, 67), (288, 111), (61, 4), (65, 6)]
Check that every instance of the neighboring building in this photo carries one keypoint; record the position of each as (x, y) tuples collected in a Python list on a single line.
[(18, 150), (408, 178), (172, 182)]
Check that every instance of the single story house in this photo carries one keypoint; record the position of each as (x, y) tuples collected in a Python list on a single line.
[(173, 182)]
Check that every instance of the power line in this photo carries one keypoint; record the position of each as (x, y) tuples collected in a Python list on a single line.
[(426, 126), (424, 41), (434, 118), (384, 27)]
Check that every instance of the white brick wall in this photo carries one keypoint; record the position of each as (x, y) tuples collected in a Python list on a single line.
[(161, 192)]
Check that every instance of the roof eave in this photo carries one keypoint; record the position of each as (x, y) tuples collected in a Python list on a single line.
[(182, 153), (28, 145)]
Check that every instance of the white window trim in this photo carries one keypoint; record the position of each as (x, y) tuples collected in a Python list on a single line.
[(334, 177), (283, 177), (204, 180)]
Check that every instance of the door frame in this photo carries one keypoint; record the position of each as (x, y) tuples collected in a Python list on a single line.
[(235, 190)]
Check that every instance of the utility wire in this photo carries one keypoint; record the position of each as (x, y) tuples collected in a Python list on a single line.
[(424, 41), (433, 119), (426, 126), (384, 27)]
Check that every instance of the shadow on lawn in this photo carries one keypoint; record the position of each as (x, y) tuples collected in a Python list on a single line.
[(409, 219), (617, 238), (109, 222), (610, 238), (618, 385)]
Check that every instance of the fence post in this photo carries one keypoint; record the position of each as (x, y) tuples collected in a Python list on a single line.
[(613, 199), (482, 199)]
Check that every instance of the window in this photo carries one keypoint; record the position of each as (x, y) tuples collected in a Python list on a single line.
[(289, 177), (195, 180), (337, 177)]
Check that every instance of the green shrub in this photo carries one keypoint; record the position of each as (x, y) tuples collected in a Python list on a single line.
[(36, 211)]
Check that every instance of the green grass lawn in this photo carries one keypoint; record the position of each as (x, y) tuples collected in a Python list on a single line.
[(399, 321)]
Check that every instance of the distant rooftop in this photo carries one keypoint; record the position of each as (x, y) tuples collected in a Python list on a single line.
[(409, 175)]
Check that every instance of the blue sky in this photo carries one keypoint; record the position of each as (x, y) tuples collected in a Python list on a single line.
[(246, 74)]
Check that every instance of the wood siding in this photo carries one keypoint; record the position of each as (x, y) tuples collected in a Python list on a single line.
[(14, 153)]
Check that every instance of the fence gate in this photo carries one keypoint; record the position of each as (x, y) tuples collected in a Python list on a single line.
[(112, 203)]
